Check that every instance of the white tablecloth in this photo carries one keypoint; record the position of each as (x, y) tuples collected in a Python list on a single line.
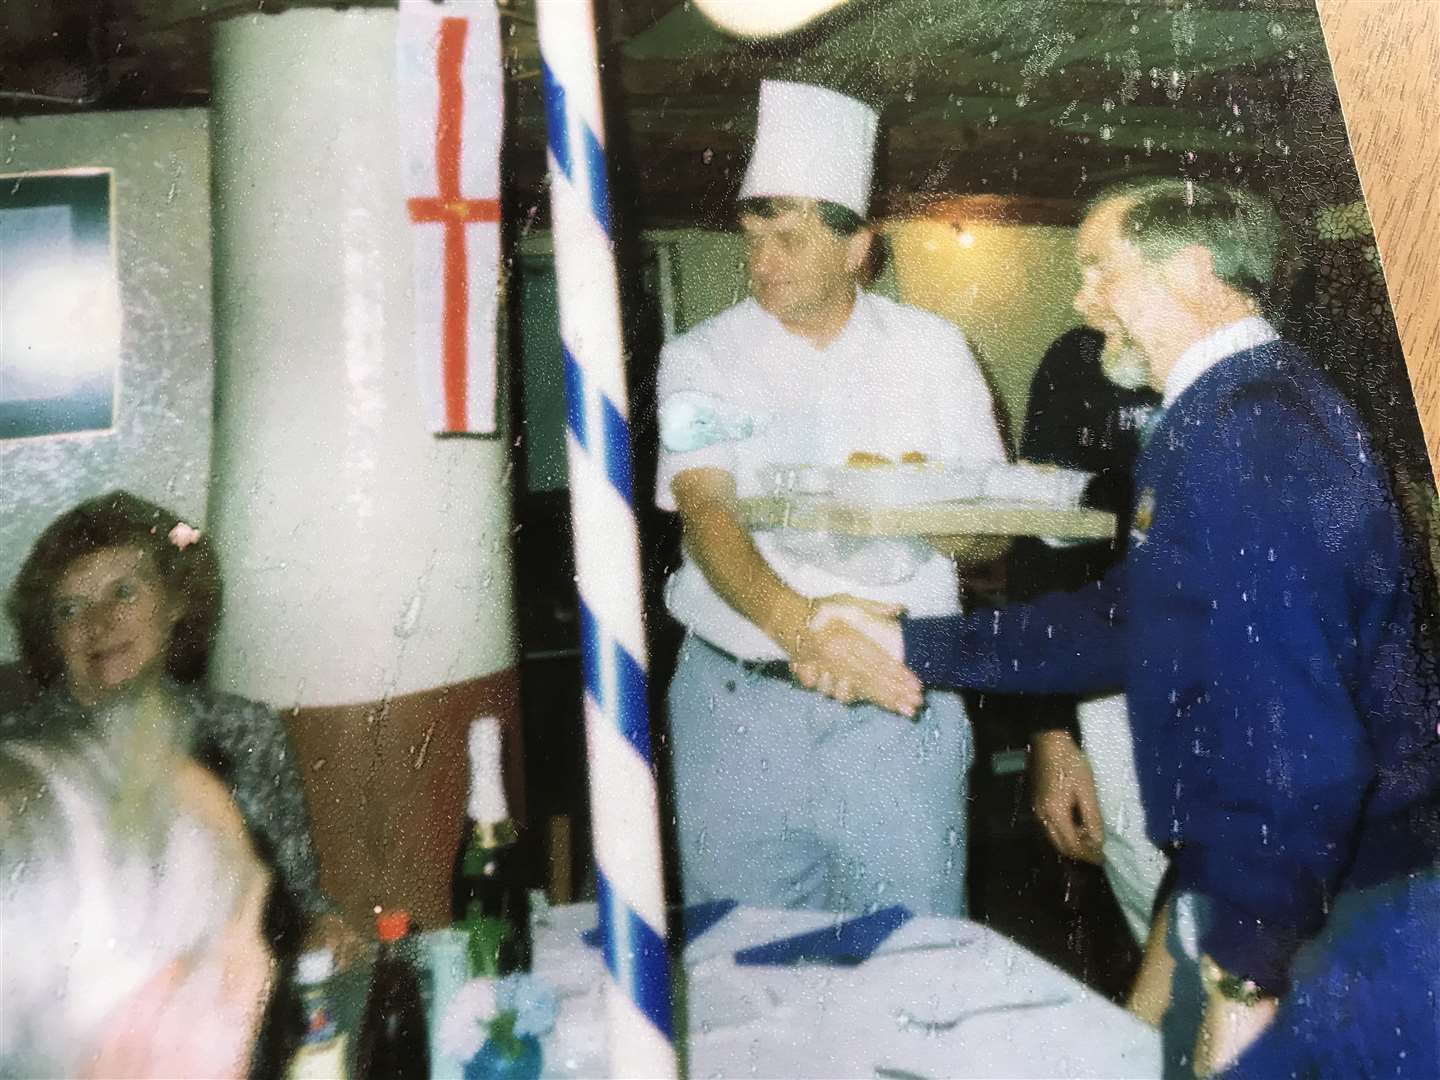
[(1021, 1017)]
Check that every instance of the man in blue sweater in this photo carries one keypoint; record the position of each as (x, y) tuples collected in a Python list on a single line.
[(1261, 623)]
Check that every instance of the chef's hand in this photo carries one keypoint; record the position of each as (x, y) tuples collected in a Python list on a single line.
[(1062, 791), (854, 651), (1228, 1029)]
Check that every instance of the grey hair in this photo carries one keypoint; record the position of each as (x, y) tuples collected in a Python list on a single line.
[(1240, 229), (106, 880)]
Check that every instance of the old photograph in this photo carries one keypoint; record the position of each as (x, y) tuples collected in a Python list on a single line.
[(828, 538)]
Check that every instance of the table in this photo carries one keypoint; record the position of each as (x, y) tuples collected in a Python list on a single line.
[(1018, 1015)]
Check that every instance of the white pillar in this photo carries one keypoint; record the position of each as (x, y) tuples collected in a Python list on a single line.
[(367, 563), (364, 557)]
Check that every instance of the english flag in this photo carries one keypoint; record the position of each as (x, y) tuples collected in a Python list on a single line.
[(451, 113)]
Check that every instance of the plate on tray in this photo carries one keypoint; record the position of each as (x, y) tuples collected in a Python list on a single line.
[(1048, 485), (935, 482), (906, 485), (794, 480)]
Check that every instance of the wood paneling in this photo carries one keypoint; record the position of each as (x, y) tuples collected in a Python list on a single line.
[(1387, 68)]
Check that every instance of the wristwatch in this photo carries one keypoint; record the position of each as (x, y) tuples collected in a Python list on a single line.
[(1236, 988)]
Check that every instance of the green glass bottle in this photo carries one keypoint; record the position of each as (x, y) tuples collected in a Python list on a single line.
[(490, 897)]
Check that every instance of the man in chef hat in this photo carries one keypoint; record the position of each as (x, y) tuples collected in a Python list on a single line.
[(784, 797)]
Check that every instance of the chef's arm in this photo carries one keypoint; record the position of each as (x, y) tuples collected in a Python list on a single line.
[(725, 552)]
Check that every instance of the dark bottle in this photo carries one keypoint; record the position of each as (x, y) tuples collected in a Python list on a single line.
[(394, 1039), (489, 896)]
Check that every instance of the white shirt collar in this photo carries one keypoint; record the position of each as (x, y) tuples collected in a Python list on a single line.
[(1248, 333)]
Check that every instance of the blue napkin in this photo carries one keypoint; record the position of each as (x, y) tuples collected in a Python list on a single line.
[(694, 921), (845, 945)]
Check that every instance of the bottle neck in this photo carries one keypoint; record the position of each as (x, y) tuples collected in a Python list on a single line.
[(486, 796), (493, 834)]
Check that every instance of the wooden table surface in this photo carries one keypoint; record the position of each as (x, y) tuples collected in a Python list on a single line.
[(978, 518), (1387, 66)]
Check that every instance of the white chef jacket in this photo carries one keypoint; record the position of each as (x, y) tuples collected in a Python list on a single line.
[(895, 380)]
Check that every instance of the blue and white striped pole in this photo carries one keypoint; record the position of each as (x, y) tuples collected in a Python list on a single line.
[(624, 803)]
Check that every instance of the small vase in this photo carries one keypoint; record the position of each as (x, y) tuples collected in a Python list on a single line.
[(492, 1063)]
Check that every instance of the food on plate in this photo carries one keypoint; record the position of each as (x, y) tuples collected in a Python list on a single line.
[(863, 459)]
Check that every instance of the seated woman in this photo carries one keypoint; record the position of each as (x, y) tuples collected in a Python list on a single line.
[(119, 596)]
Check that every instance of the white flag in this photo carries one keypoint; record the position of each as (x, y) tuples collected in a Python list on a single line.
[(451, 116)]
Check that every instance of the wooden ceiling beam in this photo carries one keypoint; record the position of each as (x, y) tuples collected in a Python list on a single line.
[(1011, 142), (658, 184), (642, 81)]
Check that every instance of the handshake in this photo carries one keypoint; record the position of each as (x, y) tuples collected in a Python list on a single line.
[(852, 650)]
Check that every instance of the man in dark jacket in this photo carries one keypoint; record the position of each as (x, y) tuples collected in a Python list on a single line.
[(1084, 414)]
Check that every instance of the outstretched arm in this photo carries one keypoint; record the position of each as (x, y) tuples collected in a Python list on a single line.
[(1060, 643), (1064, 643)]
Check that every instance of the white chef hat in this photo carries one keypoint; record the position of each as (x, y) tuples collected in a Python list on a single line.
[(812, 143)]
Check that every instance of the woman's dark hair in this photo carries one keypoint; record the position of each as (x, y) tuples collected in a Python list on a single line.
[(186, 565)]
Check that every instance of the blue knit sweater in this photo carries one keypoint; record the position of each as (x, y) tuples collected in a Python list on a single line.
[(1366, 996), (1263, 627)]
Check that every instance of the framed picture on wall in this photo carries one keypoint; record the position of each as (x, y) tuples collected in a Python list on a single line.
[(59, 303)]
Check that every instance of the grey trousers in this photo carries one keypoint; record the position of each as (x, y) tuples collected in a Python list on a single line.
[(788, 799)]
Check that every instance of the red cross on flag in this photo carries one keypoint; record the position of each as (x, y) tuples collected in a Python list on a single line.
[(451, 114)]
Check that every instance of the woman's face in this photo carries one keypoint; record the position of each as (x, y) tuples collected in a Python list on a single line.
[(112, 617)]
